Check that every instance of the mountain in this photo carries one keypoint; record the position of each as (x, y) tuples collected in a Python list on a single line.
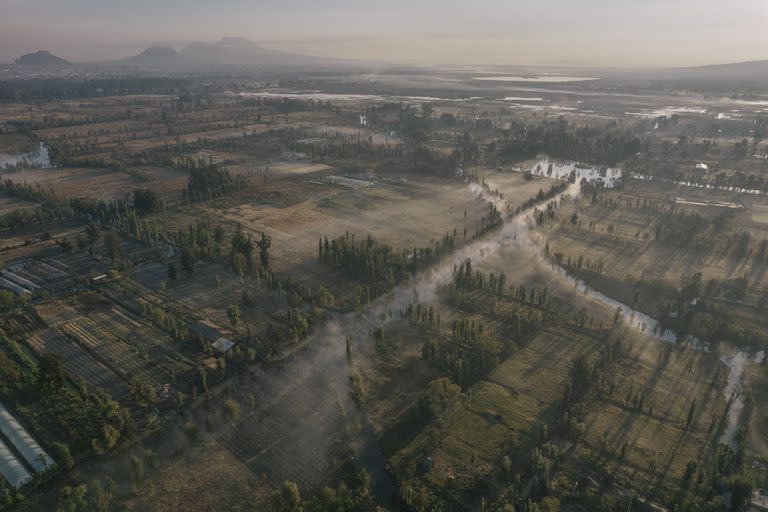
[(227, 54), (239, 52), (752, 73), (42, 58), (750, 70), (155, 56)]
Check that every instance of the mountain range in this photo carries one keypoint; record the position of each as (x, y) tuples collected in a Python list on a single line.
[(233, 53), (230, 52)]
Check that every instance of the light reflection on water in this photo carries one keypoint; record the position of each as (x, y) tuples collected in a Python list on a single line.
[(38, 158)]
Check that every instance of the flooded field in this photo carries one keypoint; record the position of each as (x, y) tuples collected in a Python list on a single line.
[(38, 159)]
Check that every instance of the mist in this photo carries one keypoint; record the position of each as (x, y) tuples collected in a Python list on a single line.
[(596, 33)]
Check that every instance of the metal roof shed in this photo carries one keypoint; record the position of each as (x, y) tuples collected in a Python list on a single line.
[(11, 468), (32, 452), (223, 344)]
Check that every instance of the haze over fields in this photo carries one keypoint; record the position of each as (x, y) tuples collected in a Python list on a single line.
[(595, 33), (357, 256)]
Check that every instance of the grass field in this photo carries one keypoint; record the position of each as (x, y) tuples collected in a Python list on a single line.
[(9, 204), (104, 184), (206, 478)]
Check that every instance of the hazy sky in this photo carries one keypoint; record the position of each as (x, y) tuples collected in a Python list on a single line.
[(608, 33)]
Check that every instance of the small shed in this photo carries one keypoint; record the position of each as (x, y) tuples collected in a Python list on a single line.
[(222, 345), (98, 280)]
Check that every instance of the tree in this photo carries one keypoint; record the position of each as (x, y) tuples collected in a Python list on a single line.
[(62, 454), (441, 394), (111, 435), (72, 499), (50, 371), (324, 297), (93, 233), (690, 470), (137, 470), (547, 504), (146, 201), (506, 464), (218, 234), (741, 487), (287, 499), (264, 244), (6, 299), (102, 495), (187, 260), (239, 263), (233, 313), (242, 245), (232, 410), (172, 273), (691, 412), (113, 245)]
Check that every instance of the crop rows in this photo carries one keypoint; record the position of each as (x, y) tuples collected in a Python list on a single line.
[(77, 362), (111, 351)]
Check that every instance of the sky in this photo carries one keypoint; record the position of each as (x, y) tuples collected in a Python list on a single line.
[(583, 33)]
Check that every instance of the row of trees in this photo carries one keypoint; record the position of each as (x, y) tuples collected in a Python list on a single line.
[(465, 279), (602, 144), (208, 180), (378, 264)]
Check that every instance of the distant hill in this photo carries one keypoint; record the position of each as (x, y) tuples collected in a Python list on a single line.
[(235, 51), (230, 52), (753, 73), (42, 58), (751, 70), (159, 56)]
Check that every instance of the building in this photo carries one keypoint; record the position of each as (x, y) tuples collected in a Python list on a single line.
[(222, 345), (207, 330), (701, 167), (213, 334), (99, 280)]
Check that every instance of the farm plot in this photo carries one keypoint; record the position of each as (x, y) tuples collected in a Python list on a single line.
[(243, 164), (137, 296), (103, 184), (647, 413), (506, 405), (128, 347), (207, 292), (287, 438), (201, 478), (57, 272), (405, 214), (77, 361), (9, 204), (625, 230)]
